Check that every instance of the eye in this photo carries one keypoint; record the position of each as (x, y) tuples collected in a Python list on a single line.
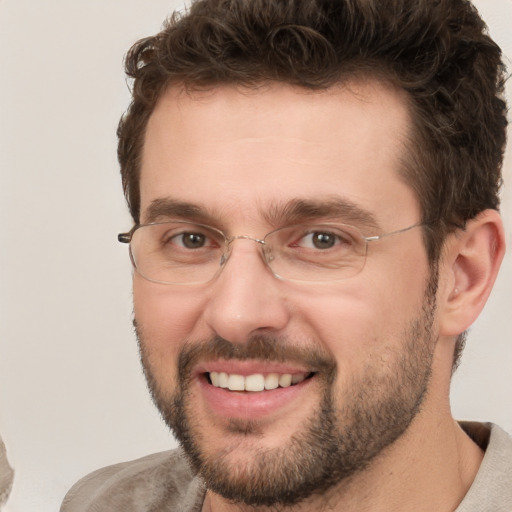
[(190, 240), (321, 240)]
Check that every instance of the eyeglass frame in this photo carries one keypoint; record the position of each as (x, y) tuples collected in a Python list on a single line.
[(126, 238)]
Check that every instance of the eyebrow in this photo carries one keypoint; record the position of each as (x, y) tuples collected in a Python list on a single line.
[(331, 208), (167, 207), (289, 212)]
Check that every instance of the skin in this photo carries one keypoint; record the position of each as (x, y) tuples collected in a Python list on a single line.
[(236, 154)]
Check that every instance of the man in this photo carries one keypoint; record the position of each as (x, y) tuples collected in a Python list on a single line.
[(314, 187)]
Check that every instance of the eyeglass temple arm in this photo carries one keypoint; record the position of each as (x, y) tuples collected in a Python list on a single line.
[(124, 238), (397, 232)]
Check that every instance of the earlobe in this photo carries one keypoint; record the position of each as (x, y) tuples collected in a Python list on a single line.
[(471, 261)]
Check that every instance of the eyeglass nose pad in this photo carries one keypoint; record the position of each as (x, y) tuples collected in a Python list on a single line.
[(226, 253), (224, 258), (267, 254)]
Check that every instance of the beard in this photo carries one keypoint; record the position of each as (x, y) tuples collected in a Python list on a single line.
[(345, 433)]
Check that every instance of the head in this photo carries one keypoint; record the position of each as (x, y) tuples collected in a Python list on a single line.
[(433, 65), (439, 54)]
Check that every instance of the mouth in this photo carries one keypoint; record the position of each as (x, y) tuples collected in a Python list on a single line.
[(252, 389), (255, 382)]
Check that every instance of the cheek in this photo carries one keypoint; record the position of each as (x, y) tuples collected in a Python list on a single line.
[(346, 323), (166, 316), (363, 320)]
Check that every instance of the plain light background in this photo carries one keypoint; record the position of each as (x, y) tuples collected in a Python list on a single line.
[(72, 395)]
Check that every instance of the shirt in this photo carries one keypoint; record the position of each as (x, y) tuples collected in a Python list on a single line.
[(164, 481)]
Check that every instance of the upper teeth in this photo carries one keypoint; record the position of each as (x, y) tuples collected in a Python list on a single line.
[(255, 382)]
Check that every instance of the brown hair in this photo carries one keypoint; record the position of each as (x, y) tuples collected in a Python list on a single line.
[(436, 50)]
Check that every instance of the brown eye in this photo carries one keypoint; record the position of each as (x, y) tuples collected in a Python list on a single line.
[(320, 240), (323, 240), (192, 240)]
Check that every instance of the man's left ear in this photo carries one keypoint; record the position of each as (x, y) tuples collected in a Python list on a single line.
[(469, 265)]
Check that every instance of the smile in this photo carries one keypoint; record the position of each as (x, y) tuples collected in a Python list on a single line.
[(255, 382), (252, 389)]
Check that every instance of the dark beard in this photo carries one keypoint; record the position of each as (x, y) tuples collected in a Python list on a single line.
[(336, 443)]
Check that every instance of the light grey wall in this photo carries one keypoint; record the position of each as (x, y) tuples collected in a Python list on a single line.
[(72, 397)]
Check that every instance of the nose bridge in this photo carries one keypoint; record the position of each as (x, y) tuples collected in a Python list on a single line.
[(245, 237), (229, 247)]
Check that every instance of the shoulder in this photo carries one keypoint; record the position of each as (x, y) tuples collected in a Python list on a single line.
[(162, 481), (492, 487)]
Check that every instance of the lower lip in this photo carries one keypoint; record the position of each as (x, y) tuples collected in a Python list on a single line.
[(250, 405)]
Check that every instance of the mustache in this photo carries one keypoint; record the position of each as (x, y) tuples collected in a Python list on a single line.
[(259, 347)]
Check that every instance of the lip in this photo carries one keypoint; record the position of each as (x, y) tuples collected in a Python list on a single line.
[(246, 368), (249, 405)]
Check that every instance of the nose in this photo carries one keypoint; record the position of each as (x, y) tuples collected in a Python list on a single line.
[(245, 297)]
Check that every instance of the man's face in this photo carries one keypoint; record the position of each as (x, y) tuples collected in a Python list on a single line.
[(360, 349)]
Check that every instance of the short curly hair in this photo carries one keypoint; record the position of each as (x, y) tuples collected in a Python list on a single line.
[(438, 51)]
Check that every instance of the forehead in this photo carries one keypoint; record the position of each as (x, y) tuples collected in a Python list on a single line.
[(230, 151)]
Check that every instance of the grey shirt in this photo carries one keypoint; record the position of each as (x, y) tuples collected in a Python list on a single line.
[(163, 482)]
